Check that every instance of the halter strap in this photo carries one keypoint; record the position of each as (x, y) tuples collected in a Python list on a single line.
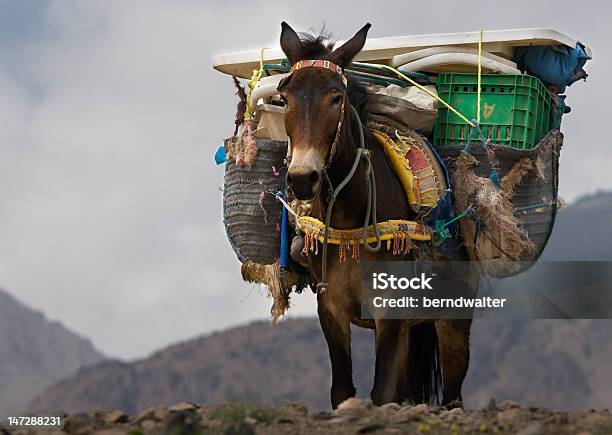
[(319, 63), (336, 69)]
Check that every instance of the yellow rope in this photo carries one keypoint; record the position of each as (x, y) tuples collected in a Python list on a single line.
[(252, 83), (479, 74), (427, 91)]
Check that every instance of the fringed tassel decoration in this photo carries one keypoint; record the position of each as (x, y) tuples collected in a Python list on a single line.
[(250, 146)]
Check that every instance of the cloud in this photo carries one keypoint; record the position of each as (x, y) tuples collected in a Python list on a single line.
[(111, 206), (110, 218)]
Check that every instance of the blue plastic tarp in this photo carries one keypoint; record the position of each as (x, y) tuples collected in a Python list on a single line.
[(554, 65)]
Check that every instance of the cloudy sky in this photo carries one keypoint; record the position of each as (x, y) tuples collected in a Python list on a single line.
[(110, 209)]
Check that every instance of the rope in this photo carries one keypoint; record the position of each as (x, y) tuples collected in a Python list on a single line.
[(371, 183), (533, 206), (431, 94), (371, 207), (321, 286), (479, 76), (475, 123), (278, 196), (252, 83), (441, 225)]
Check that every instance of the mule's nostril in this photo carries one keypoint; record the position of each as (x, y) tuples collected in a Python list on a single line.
[(303, 182), (313, 177)]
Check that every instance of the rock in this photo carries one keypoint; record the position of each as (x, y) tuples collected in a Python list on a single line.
[(509, 415), (453, 414), (535, 428), (184, 420), (115, 417), (421, 408), (354, 403), (157, 413), (391, 407), (403, 417), (339, 420), (295, 408), (183, 406), (456, 411), (371, 427), (147, 414), (590, 420), (241, 428), (352, 416), (508, 404), (323, 415), (410, 413), (149, 425), (110, 432), (79, 424)]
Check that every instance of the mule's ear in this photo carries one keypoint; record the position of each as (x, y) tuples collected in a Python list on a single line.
[(344, 54), (290, 43)]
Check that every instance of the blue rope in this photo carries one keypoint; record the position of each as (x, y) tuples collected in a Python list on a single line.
[(440, 226), (493, 175)]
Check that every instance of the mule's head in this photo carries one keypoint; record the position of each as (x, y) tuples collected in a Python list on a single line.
[(314, 100)]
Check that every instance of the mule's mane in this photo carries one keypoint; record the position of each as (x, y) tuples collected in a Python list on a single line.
[(319, 47), (316, 46)]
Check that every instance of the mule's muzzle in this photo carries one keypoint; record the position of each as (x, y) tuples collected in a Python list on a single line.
[(304, 182)]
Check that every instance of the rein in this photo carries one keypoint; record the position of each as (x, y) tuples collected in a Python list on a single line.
[(362, 152)]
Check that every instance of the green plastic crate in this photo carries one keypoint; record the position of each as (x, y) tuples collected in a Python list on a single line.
[(515, 110)]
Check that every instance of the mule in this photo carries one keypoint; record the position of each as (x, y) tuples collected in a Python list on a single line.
[(415, 360)]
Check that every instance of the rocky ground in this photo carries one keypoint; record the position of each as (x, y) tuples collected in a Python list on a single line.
[(353, 416)]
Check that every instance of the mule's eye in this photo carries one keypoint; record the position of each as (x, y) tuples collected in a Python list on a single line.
[(337, 99), (284, 100)]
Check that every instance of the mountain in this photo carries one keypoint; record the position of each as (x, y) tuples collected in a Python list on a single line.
[(256, 362), (557, 364), (552, 363), (583, 230), (35, 352)]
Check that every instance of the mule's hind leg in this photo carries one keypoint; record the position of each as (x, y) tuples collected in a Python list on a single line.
[(454, 348), (336, 327), (387, 367)]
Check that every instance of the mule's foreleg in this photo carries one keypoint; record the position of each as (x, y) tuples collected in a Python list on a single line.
[(454, 348), (388, 358), (337, 330)]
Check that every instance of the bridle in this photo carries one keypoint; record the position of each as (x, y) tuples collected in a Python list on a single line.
[(326, 64), (361, 152)]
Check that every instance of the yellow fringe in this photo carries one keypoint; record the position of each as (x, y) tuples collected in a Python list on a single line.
[(398, 234)]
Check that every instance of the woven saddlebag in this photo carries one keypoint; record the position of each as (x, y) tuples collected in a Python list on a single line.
[(510, 224), (252, 216)]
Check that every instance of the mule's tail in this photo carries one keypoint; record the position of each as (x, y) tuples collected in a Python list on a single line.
[(424, 369)]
